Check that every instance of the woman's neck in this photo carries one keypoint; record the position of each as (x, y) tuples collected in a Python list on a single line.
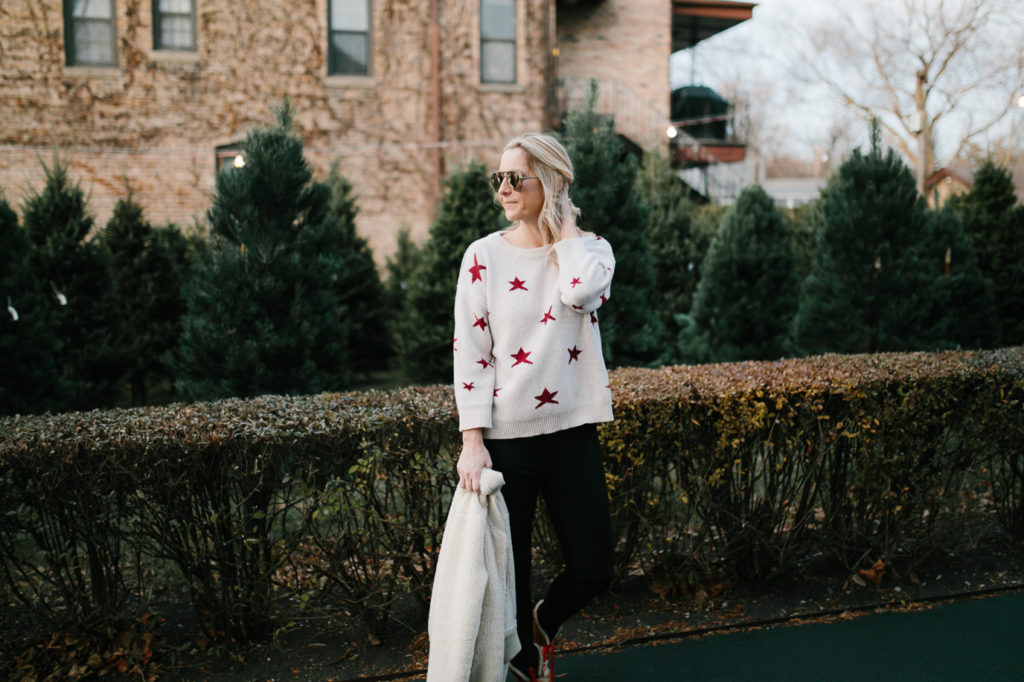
[(526, 235)]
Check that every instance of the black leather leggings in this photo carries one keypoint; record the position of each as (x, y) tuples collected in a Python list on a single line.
[(566, 468)]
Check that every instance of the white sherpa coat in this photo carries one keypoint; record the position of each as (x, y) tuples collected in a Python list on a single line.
[(472, 622)]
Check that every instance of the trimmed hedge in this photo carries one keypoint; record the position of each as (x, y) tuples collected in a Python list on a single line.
[(736, 468)]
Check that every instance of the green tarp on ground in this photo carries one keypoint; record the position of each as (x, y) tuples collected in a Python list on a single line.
[(980, 639)]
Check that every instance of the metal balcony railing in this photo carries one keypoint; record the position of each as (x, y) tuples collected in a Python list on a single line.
[(635, 118)]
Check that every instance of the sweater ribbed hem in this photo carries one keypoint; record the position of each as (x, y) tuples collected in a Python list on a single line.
[(524, 428), (475, 417)]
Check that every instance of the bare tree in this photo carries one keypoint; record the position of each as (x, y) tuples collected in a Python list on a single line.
[(921, 67), (751, 122)]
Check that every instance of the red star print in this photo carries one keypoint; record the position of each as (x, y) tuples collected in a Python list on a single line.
[(574, 354), (593, 318), (518, 284), (577, 307), (496, 392), (484, 363), (597, 237), (453, 344), (547, 316), (469, 386), (546, 397), (604, 299), (475, 270), (521, 357), (480, 323), (575, 281)]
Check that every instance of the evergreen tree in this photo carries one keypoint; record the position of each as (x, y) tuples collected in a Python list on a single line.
[(868, 288), (962, 308), (423, 333), (399, 267), (671, 240), (804, 222), (359, 285), (706, 222), (747, 295), (263, 312), (605, 190), (28, 346), (146, 273), (73, 268), (995, 225)]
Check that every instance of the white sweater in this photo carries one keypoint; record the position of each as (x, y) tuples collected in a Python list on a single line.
[(527, 343), (472, 621)]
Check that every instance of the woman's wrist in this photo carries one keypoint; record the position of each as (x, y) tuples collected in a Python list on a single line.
[(472, 436)]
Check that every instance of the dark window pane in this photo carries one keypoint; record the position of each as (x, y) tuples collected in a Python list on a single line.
[(93, 9), (498, 19), (348, 54), (498, 62), (175, 6), (176, 32), (350, 15), (94, 42)]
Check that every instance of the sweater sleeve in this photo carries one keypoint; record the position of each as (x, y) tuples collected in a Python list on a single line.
[(473, 362), (585, 267)]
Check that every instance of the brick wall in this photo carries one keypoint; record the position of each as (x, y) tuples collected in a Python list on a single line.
[(156, 119), (626, 45)]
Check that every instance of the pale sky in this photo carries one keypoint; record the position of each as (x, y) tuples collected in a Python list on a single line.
[(752, 57)]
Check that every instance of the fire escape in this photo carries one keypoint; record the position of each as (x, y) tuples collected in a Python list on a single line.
[(698, 121), (702, 134)]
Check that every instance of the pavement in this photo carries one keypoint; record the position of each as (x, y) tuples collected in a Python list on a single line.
[(977, 639)]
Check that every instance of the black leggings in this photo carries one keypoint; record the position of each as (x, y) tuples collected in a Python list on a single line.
[(567, 468)]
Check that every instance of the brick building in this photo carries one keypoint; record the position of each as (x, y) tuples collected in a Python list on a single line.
[(157, 94)]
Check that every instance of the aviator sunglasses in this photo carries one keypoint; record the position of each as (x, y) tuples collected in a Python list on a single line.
[(515, 179)]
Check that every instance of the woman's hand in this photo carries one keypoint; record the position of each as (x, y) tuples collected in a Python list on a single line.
[(569, 228), (473, 460)]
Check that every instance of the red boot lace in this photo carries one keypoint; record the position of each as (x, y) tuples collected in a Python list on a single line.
[(548, 659)]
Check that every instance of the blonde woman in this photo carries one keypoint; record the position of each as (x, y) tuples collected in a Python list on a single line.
[(531, 383)]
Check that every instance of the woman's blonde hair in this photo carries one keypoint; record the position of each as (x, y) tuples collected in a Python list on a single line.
[(551, 164)]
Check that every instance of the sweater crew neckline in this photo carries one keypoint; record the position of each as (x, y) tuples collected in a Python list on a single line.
[(506, 245)]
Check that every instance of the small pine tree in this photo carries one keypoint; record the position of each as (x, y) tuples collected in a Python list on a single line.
[(605, 190), (399, 267), (359, 285), (423, 333), (263, 313), (28, 346), (1009, 293), (670, 239), (868, 286), (962, 308), (146, 268), (72, 267), (804, 222), (996, 227), (706, 222), (748, 293)]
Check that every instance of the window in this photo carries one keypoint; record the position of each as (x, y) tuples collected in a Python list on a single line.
[(229, 156), (90, 33), (498, 41), (348, 38), (174, 25)]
